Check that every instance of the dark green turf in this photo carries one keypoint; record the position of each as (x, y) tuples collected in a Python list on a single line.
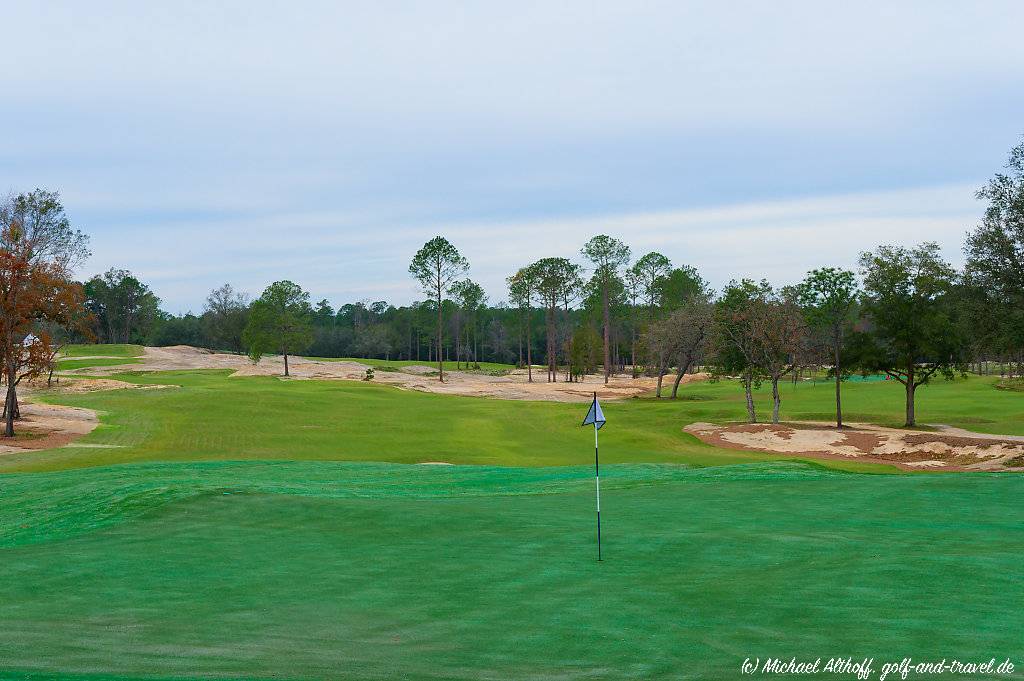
[(363, 571)]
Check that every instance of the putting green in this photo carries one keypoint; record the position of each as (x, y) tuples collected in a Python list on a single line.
[(372, 571)]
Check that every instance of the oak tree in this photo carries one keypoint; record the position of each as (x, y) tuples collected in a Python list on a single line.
[(38, 253), (280, 321), (912, 331), (828, 296)]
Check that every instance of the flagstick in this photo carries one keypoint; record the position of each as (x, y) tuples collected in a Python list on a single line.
[(597, 482)]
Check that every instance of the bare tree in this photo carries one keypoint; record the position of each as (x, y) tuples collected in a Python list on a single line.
[(224, 318), (691, 326), (734, 340), (780, 339)]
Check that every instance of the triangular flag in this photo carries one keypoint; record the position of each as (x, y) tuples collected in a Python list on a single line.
[(595, 415)]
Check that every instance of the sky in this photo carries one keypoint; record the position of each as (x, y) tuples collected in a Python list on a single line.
[(248, 142)]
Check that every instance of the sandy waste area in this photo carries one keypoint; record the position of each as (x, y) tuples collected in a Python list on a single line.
[(512, 386), (945, 449), (45, 426)]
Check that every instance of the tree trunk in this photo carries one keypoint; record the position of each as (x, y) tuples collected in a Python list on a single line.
[(520, 342), (776, 400), (552, 359), (661, 375), (680, 372), (458, 344), (911, 419), (11, 403), (529, 346), (839, 381), (632, 337), (440, 357), (748, 387), (607, 351), (476, 346), (285, 362)]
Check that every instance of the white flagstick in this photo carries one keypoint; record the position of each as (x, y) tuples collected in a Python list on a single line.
[(597, 482)]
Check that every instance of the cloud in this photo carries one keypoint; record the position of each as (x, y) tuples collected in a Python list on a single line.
[(347, 257), (204, 142)]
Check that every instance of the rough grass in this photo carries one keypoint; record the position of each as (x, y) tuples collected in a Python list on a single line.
[(360, 571), (102, 350)]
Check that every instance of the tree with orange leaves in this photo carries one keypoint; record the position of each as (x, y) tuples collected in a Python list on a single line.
[(38, 252)]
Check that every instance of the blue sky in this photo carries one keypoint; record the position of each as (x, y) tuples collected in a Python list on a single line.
[(199, 143)]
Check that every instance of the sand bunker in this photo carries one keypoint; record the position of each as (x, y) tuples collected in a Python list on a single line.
[(512, 386), (948, 449), (44, 426)]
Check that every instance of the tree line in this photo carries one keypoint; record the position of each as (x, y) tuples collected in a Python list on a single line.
[(905, 313)]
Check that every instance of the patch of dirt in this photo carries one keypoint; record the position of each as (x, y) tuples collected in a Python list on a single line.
[(511, 386), (49, 425), (904, 448)]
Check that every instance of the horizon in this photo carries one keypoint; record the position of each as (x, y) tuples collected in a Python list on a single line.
[(326, 145)]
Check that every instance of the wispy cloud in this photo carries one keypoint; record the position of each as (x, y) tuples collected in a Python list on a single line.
[(344, 258), (323, 142)]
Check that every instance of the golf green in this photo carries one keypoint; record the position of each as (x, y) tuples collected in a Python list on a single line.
[(316, 570)]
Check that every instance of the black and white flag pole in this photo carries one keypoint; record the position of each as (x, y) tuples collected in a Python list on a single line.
[(596, 416)]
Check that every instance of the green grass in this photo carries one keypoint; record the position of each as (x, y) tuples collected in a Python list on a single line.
[(68, 364), (102, 350), (214, 417), (251, 536), (372, 571)]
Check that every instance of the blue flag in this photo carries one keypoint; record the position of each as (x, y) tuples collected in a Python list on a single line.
[(595, 415)]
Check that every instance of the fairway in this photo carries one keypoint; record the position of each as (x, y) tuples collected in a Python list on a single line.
[(327, 571), (102, 350), (209, 415)]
